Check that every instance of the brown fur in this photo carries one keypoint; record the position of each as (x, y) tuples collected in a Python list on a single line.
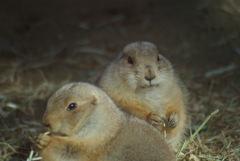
[(160, 101), (96, 130)]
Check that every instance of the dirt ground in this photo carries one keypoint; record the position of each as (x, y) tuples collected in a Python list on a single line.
[(45, 44)]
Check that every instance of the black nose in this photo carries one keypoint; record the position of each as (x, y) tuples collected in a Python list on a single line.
[(45, 121), (47, 125), (149, 78)]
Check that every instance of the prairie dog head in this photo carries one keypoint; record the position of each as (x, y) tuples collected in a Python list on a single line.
[(141, 66), (71, 107)]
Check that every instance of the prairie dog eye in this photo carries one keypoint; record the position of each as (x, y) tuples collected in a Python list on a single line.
[(130, 60), (71, 106)]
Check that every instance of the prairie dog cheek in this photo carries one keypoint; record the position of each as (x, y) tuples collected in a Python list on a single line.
[(132, 81), (156, 80), (56, 127)]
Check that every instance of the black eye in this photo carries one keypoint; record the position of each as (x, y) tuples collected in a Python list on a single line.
[(130, 61), (71, 106)]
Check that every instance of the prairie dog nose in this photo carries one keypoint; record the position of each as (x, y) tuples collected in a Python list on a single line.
[(149, 78), (149, 74), (45, 121)]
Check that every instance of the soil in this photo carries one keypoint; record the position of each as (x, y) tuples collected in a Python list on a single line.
[(45, 44)]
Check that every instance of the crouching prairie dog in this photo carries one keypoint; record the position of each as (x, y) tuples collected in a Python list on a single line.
[(85, 125), (142, 82)]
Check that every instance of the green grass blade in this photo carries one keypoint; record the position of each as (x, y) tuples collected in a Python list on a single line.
[(196, 132)]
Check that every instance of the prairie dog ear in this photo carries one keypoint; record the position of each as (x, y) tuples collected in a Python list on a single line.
[(94, 99)]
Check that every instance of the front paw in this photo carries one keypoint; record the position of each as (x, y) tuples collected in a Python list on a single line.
[(170, 121), (154, 119), (43, 140)]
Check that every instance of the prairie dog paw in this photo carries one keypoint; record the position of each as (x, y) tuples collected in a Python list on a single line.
[(154, 119), (171, 121), (43, 140)]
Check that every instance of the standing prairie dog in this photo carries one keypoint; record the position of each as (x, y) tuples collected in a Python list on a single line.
[(86, 125), (142, 82)]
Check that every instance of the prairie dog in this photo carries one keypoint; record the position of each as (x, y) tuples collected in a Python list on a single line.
[(86, 125), (142, 82)]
